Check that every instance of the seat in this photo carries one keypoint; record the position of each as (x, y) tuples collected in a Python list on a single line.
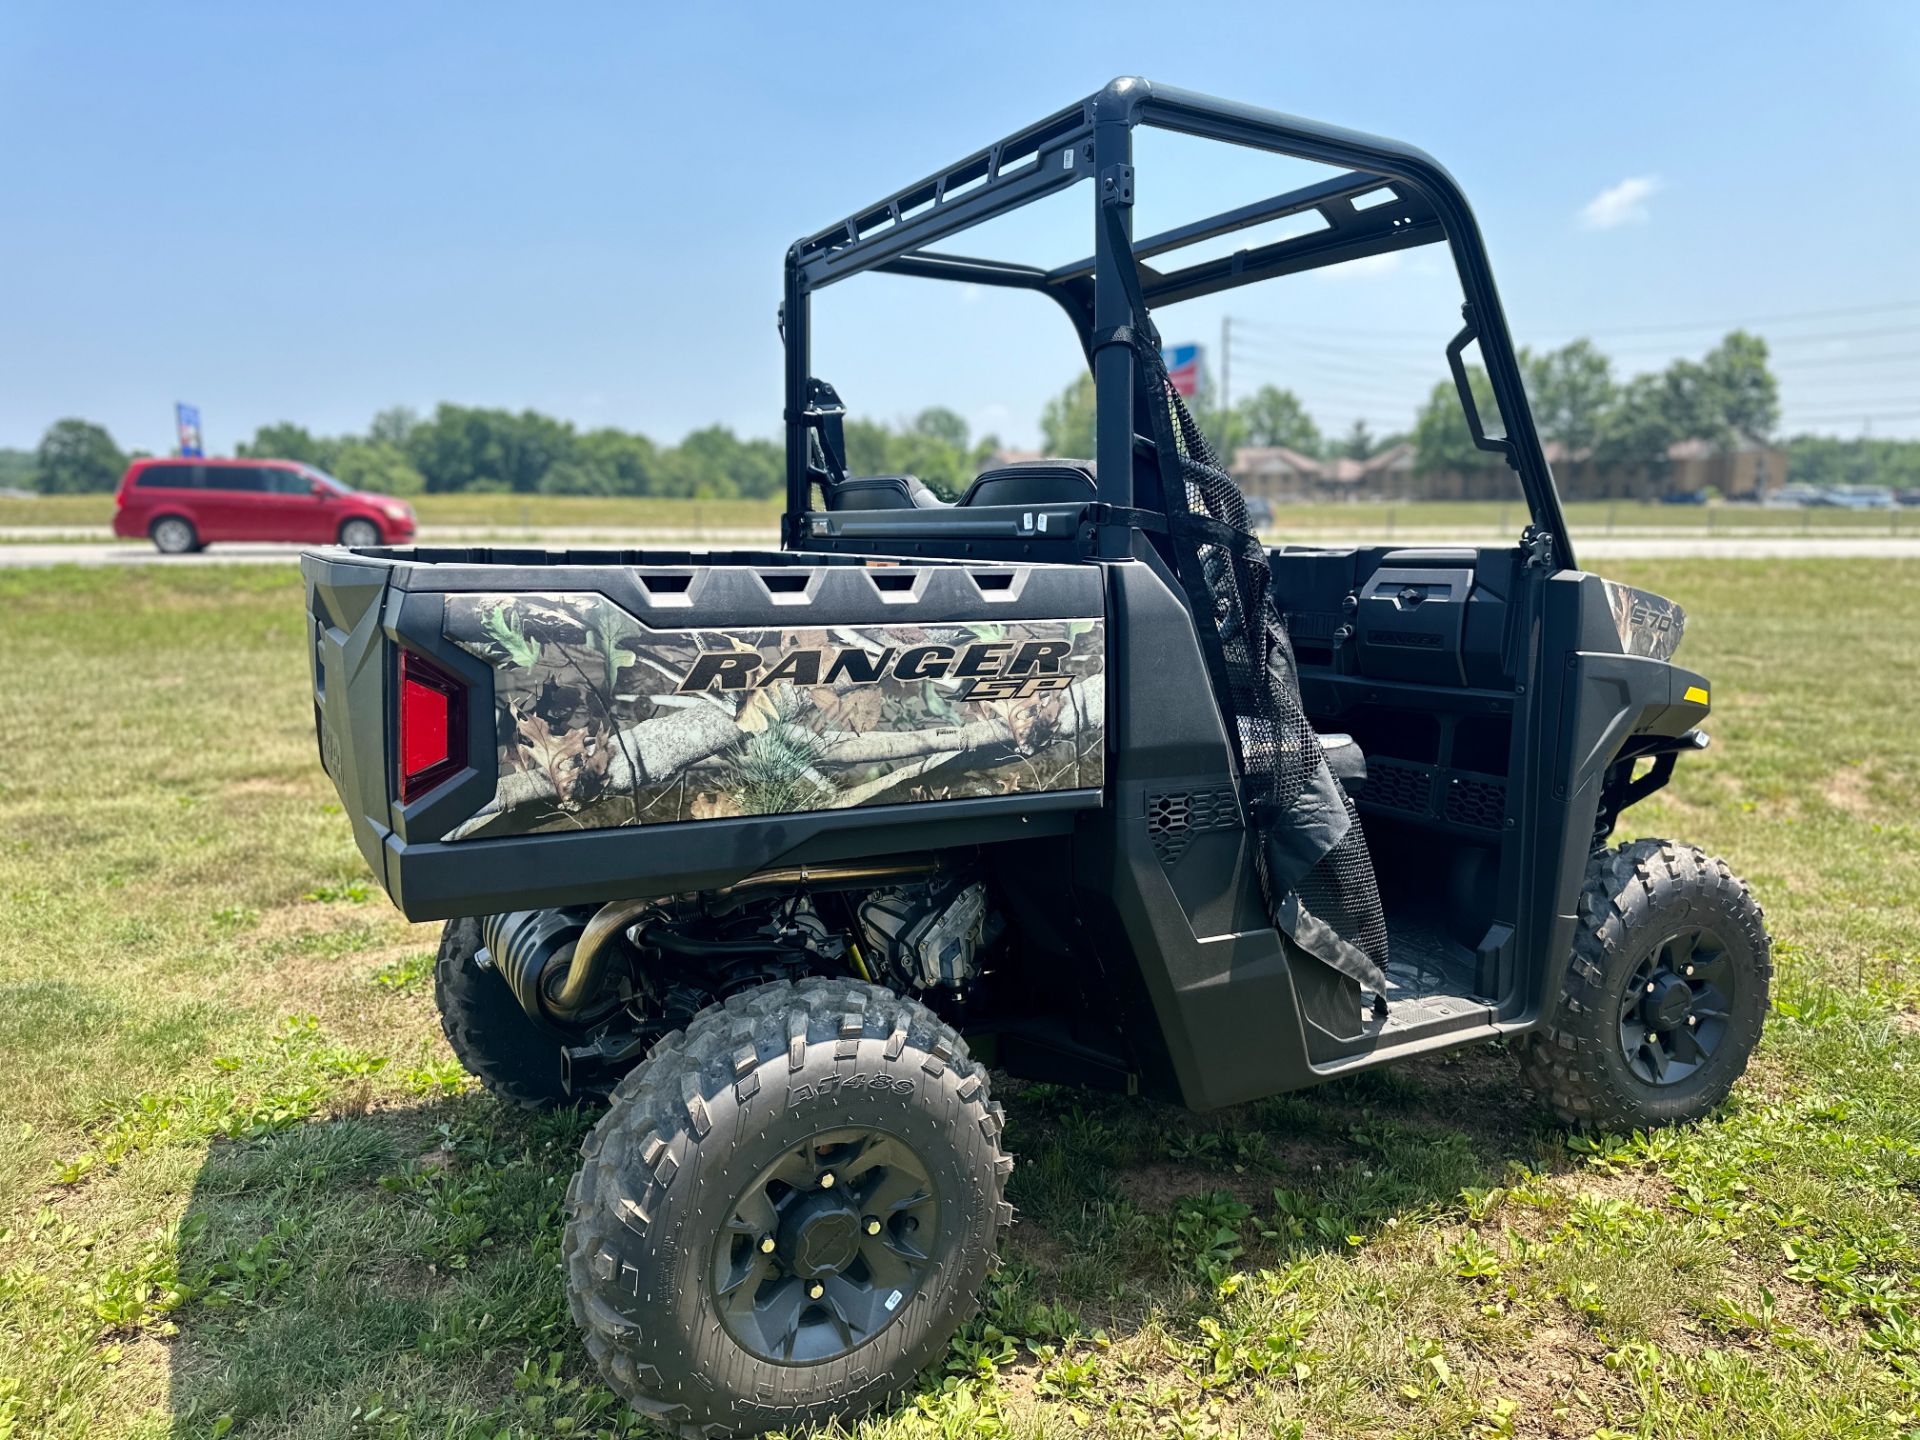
[(883, 492), (1034, 482)]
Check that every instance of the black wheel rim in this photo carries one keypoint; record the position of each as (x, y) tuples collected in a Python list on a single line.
[(826, 1247), (1676, 1008)]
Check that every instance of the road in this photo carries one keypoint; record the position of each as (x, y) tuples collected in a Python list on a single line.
[(18, 549)]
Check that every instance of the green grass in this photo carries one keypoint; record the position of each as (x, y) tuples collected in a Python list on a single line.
[(246, 1191), (519, 512)]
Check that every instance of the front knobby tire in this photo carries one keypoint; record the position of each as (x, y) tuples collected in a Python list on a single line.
[(1666, 995), (787, 1211), (489, 1033)]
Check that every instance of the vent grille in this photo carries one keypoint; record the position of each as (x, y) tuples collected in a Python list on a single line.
[(1174, 816), (1396, 785), (1476, 801)]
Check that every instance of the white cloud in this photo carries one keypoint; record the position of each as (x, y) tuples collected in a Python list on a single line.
[(1622, 204)]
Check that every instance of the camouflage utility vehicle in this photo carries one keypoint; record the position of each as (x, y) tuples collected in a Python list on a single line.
[(776, 852)]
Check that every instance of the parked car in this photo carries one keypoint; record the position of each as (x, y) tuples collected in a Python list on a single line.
[(1858, 497), (1794, 497), (186, 505), (1908, 497)]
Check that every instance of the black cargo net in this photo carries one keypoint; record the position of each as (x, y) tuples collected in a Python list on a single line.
[(1312, 857)]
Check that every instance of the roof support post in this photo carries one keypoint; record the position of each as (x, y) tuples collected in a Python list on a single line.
[(1113, 365), (793, 327)]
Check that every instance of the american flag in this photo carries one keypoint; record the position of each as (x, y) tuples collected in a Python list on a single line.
[(1183, 367)]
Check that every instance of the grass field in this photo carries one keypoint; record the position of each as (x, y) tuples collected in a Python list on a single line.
[(245, 1190), (508, 513)]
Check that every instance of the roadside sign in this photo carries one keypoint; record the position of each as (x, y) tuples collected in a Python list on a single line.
[(187, 421), (1183, 368)]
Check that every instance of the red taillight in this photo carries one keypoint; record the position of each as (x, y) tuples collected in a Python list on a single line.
[(432, 730)]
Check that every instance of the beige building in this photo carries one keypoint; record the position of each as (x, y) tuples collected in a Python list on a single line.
[(1286, 477), (1693, 467)]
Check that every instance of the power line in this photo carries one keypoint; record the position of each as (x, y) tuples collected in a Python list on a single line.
[(1828, 361), (1839, 414), (1668, 328)]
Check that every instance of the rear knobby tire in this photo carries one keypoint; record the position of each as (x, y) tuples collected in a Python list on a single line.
[(489, 1033), (763, 1081), (1636, 899)]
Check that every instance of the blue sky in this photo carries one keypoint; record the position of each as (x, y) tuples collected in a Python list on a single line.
[(312, 211)]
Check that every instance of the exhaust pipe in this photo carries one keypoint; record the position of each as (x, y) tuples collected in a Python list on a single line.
[(527, 945)]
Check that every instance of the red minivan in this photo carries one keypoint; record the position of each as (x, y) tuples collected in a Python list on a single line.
[(185, 505)]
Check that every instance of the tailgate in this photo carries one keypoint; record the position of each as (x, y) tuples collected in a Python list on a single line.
[(653, 728), (350, 661)]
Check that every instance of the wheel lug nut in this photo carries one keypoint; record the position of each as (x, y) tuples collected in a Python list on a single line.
[(766, 1245), (873, 1226), (826, 1181), (816, 1290)]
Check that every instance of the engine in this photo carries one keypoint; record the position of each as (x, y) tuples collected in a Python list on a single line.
[(680, 955), (929, 937)]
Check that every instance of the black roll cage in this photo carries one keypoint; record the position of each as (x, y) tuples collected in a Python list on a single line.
[(1094, 140)]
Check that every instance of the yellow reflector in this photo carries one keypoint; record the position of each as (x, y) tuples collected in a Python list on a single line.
[(1696, 695)]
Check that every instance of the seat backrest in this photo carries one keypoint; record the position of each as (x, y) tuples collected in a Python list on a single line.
[(1034, 482), (883, 492)]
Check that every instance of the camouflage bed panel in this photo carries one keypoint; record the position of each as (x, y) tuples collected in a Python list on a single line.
[(602, 721)]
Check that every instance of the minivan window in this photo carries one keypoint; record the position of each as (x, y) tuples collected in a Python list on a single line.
[(288, 482), (169, 477), (234, 477)]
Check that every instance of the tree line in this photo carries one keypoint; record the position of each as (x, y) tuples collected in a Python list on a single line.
[(473, 450), (1725, 397)]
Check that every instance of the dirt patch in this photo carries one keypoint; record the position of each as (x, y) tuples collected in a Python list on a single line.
[(1560, 1369), (306, 917), (1846, 789), (1157, 1186)]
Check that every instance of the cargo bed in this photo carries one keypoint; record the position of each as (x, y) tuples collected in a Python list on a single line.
[(513, 728)]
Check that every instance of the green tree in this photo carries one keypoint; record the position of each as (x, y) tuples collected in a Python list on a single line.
[(1652, 413), (1067, 425), (1358, 443), (714, 463), (17, 470), (869, 448), (1688, 401), (78, 457), (937, 422), (285, 440), (1272, 416), (1441, 439), (1571, 391), (463, 448), (1826, 460), (394, 425), (944, 467), (1741, 387), (375, 465), (627, 460)]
